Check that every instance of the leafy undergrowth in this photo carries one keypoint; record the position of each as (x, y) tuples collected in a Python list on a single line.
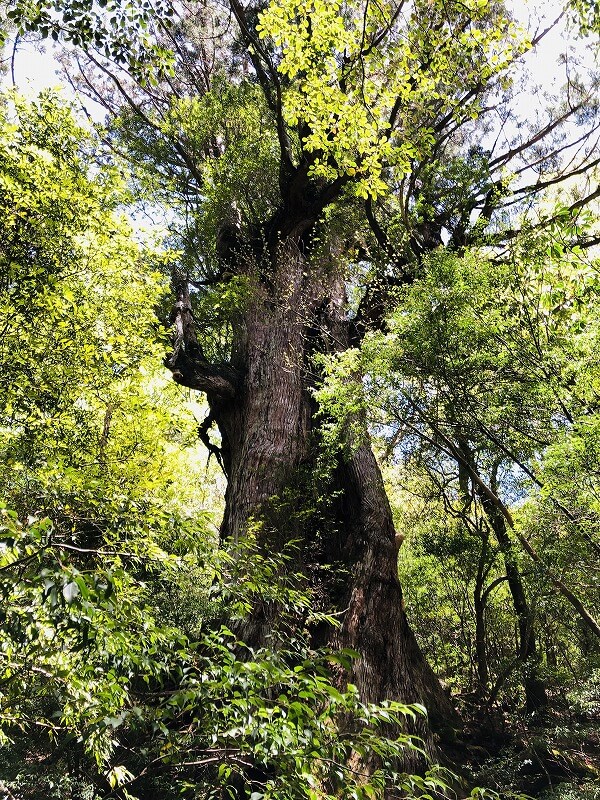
[(556, 757)]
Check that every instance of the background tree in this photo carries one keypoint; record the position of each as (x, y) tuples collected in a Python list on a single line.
[(475, 381)]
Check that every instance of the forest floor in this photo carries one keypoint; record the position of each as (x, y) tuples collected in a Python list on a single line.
[(552, 757)]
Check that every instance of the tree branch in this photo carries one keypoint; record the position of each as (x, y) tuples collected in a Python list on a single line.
[(484, 490), (187, 361), (268, 83)]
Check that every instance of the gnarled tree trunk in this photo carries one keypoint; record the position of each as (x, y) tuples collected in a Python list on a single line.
[(266, 414)]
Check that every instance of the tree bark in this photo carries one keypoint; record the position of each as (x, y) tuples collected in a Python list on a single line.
[(391, 665), (479, 602), (266, 428), (267, 419)]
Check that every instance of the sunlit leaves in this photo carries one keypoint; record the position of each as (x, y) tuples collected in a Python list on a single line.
[(79, 338), (74, 630), (199, 712), (88, 427), (587, 15), (358, 76), (109, 546)]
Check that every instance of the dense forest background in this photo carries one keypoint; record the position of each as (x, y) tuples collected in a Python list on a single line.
[(299, 402)]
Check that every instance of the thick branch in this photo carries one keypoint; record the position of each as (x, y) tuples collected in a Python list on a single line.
[(270, 84), (187, 361), (509, 235)]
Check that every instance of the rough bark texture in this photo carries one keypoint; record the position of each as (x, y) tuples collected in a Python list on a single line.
[(479, 602), (265, 412), (375, 624), (266, 428)]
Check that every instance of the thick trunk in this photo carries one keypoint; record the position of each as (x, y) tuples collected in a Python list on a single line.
[(391, 665), (373, 621), (369, 601), (268, 429)]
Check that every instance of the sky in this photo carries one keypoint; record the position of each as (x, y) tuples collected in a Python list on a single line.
[(35, 68)]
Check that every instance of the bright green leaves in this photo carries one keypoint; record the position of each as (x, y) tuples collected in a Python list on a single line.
[(87, 651), (363, 80), (342, 123), (73, 634), (491, 349), (94, 437), (275, 707), (86, 640), (319, 28), (79, 334), (318, 48), (586, 14), (230, 133)]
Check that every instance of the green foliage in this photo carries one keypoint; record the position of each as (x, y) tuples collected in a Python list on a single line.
[(113, 642), (439, 566), (573, 791), (487, 375), (229, 132), (84, 658), (125, 31), (113, 654), (89, 438), (351, 70), (584, 698), (75, 631), (586, 15), (65, 259)]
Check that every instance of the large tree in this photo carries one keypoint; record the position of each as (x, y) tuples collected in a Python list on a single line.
[(310, 154), (113, 673)]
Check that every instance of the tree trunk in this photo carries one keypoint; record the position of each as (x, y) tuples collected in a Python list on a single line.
[(266, 416), (479, 601), (391, 664), (527, 653), (266, 428)]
